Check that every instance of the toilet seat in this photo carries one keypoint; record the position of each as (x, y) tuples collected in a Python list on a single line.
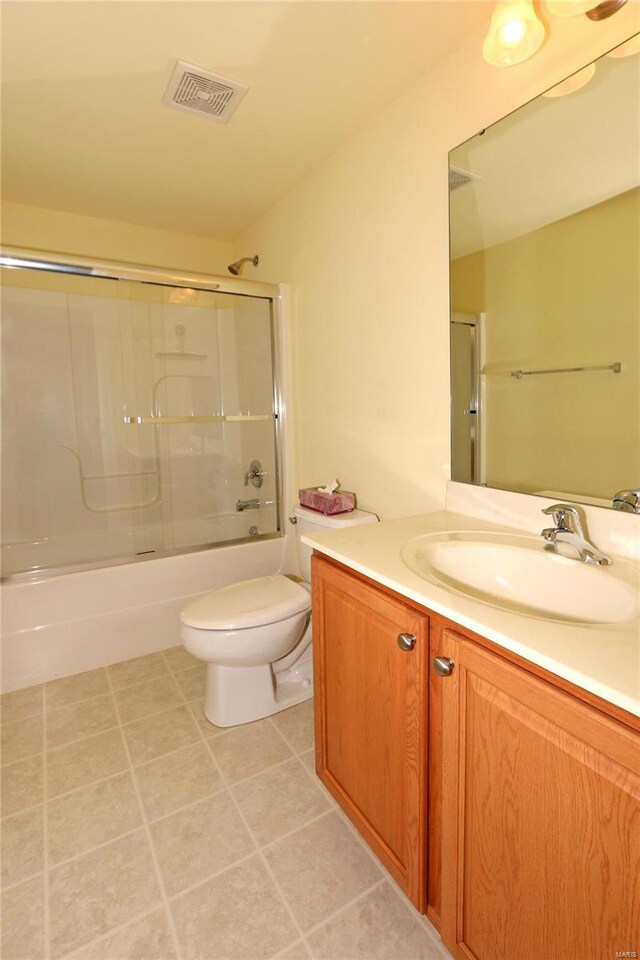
[(251, 603)]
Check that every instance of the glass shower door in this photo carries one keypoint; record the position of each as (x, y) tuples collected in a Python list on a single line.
[(131, 414)]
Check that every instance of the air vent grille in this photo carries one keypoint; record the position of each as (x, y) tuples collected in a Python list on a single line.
[(460, 178), (200, 91)]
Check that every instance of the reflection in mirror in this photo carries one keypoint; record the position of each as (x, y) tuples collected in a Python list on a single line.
[(545, 294)]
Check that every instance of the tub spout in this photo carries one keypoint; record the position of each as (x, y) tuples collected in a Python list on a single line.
[(247, 505)]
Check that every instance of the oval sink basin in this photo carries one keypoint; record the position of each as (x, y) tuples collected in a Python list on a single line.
[(518, 574)]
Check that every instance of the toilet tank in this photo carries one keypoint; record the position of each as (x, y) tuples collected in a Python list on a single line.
[(310, 521)]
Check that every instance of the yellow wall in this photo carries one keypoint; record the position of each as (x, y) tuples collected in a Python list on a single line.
[(363, 243), (56, 230), (566, 295)]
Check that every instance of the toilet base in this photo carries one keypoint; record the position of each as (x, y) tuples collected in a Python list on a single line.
[(236, 695)]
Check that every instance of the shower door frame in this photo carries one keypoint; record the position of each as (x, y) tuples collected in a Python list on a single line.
[(23, 258)]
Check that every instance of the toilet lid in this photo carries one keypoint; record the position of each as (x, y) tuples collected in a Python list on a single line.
[(250, 603)]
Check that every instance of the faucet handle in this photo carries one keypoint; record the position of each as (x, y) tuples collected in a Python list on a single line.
[(564, 516), (627, 500)]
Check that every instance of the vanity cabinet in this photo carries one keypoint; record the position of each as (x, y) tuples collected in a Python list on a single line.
[(529, 787), (541, 817), (370, 667)]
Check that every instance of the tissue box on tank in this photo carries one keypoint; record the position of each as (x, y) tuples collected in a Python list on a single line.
[(328, 503)]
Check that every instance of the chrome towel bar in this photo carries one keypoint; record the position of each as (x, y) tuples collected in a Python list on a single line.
[(614, 367)]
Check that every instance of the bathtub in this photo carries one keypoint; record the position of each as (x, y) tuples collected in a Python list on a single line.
[(66, 624)]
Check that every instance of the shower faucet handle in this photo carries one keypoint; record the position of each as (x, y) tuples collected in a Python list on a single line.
[(255, 474)]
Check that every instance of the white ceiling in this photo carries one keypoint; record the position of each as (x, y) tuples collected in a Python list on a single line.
[(84, 128)]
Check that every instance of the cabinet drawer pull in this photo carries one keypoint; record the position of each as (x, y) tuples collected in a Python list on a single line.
[(443, 666), (406, 641)]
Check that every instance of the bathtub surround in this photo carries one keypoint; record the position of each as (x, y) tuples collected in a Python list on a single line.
[(88, 619), (176, 814)]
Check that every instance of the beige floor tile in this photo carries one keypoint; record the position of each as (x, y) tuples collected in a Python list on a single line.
[(296, 726), (321, 868), (297, 951), (81, 686), (22, 845), (146, 939), (91, 816), (80, 720), (309, 760), (207, 728), (179, 778), (155, 736), (378, 927), (192, 681), (22, 785), (23, 936), (21, 704), (101, 890), (78, 764), (21, 739), (137, 671), (199, 841), (244, 751), (279, 800), (237, 916), (145, 699), (178, 659)]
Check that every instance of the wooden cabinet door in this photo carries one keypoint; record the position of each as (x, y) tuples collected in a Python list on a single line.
[(371, 717), (541, 818)]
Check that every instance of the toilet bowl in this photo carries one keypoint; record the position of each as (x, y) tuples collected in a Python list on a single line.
[(255, 636)]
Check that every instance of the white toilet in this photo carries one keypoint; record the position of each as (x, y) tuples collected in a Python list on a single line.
[(255, 636)]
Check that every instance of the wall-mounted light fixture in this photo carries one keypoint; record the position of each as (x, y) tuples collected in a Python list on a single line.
[(515, 33)]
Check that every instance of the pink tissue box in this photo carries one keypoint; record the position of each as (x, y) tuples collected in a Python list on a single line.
[(328, 503)]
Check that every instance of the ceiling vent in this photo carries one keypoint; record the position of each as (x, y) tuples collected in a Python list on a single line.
[(200, 91), (460, 178)]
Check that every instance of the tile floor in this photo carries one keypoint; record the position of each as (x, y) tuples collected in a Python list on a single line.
[(133, 829)]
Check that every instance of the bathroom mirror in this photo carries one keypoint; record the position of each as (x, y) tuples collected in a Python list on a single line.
[(545, 292)]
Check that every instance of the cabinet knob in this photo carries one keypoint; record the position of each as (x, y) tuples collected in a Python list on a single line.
[(406, 641), (443, 666)]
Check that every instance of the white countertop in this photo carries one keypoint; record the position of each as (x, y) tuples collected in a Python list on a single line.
[(604, 659)]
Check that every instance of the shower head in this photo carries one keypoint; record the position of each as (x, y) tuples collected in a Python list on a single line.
[(236, 267)]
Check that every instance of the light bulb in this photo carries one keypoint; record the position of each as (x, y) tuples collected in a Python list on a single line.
[(515, 33)]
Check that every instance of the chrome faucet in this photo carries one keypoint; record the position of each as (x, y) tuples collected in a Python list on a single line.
[(568, 529)]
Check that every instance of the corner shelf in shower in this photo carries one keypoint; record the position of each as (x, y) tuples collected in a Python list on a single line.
[(211, 418)]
